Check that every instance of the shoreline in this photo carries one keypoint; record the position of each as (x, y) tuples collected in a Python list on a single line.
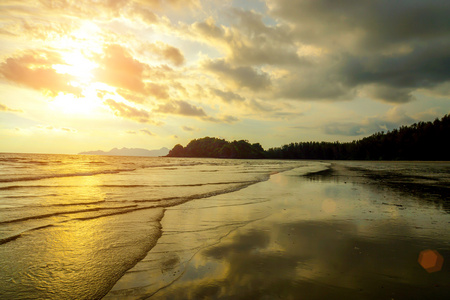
[(269, 224)]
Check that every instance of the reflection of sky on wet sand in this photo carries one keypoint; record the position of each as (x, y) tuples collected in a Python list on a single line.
[(313, 260), (293, 238)]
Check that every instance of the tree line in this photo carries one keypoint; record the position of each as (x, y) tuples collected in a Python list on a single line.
[(218, 148), (419, 141)]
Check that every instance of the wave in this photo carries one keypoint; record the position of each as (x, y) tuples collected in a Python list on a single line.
[(114, 213), (15, 237), (10, 238), (63, 204), (48, 176), (179, 200), (206, 184), (13, 187), (43, 216)]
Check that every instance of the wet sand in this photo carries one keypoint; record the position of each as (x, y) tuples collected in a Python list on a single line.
[(340, 234)]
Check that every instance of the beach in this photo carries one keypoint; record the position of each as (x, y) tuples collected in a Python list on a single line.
[(341, 233), (91, 227)]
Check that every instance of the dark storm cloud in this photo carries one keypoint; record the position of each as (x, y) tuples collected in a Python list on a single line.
[(387, 77), (373, 23), (388, 49)]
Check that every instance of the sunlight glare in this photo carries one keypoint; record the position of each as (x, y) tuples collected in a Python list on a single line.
[(76, 65), (70, 104)]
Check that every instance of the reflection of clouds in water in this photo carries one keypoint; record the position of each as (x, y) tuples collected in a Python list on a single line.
[(279, 179), (314, 260), (169, 262), (329, 206)]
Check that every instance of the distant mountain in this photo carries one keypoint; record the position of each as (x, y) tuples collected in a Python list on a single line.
[(129, 152)]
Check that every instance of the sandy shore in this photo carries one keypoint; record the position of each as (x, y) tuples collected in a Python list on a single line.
[(339, 234)]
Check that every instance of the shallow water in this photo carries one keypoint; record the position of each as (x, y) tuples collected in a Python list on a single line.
[(76, 227), (71, 226), (297, 237)]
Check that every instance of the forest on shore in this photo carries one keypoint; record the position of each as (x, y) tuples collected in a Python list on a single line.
[(419, 141)]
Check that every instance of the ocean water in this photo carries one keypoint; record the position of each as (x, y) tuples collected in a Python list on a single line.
[(71, 225), (88, 227)]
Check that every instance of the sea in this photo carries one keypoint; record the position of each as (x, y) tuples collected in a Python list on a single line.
[(77, 226)]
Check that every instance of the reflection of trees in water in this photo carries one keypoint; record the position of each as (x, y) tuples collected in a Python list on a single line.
[(317, 260), (421, 188)]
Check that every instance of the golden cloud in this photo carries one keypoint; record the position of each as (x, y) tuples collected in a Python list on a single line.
[(181, 108), (34, 69), (128, 112), (119, 69), (166, 52)]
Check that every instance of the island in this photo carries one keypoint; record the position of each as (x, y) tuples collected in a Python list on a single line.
[(218, 148)]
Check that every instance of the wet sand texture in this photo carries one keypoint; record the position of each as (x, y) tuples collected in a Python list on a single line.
[(338, 234)]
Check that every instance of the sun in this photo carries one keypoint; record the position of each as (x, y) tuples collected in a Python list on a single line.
[(77, 54), (78, 66), (77, 62)]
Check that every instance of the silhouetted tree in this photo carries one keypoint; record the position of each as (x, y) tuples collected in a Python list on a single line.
[(420, 141)]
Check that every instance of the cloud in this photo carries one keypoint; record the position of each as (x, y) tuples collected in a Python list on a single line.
[(390, 78), (183, 108), (68, 129), (228, 96), (146, 15), (317, 83), (371, 25), (394, 118), (130, 96), (238, 76), (179, 107), (255, 43), (166, 52), (147, 132), (396, 76), (210, 31), (33, 69), (389, 94), (187, 128), (3, 107), (248, 40), (159, 91), (222, 119), (119, 69), (331, 50), (161, 4), (386, 50), (128, 112), (56, 129)]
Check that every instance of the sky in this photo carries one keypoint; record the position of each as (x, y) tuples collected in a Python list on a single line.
[(80, 75)]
